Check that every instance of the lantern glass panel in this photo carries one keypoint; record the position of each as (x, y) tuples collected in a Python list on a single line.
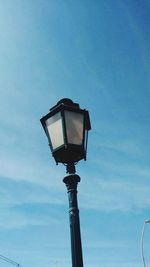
[(55, 130), (74, 127)]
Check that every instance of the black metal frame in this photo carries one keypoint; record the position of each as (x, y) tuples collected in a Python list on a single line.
[(68, 153)]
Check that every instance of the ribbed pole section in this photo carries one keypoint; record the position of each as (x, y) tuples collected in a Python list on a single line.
[(71, 182)]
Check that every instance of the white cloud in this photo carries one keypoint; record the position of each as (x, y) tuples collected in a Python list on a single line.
[(116, 195), (11, 219), (24, 167), (127, 138), (23, 204)]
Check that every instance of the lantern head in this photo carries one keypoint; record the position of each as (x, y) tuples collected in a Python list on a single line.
[(66, 127)]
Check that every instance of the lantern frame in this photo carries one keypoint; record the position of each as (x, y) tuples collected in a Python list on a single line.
[(68, 153)]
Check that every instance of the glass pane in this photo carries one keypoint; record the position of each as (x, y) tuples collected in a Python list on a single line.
[(74, 127), (55, 130)]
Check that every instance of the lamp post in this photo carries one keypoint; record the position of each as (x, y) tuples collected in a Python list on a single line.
[(142, 242), (66, 127)]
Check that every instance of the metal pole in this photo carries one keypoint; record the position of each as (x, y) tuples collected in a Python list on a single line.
[(142, 242), (71, 182), (142, 245)]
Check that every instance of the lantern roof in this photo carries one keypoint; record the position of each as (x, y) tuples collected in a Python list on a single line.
[(67, 103)]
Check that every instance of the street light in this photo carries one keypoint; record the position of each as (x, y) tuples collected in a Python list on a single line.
[(66, 127), (142, 242)]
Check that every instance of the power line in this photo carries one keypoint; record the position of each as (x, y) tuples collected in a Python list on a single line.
[(9, 261)]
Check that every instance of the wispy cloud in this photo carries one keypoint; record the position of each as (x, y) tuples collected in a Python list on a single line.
[(31, 170), (19, 201), (120, 169), (116, 195), (11, 219), (126, 137)]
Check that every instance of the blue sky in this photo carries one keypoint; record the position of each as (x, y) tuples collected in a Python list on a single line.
[(96, 53)]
